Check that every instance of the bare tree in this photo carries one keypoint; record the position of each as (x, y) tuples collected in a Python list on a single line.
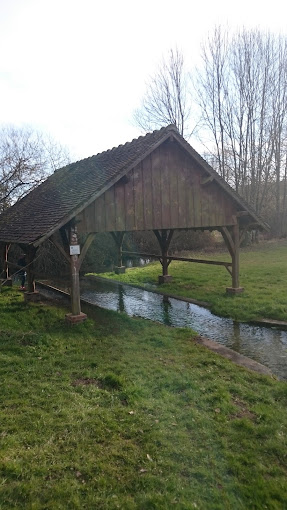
[(27, 157), (212, 86), (242, 93), (167, 99)]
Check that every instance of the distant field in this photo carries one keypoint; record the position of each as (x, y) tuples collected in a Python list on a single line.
[(122, 413), (263, 274)]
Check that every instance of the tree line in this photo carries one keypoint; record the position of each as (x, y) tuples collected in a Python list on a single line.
[(237, 101)]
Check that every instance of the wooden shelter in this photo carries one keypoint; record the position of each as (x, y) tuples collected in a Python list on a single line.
[(156, 182)]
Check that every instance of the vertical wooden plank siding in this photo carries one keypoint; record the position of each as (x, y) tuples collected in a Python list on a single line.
[(196, 199), (129, 203), (165, 191), (110, 210), (120, 207), (187, 197), (190, 200), (156, 188), (138, 198), (214, 198), (100, 215), (173, 180), (181, 180), (188, 191), (147, 194), (166, 199), (221, 217), (88, 218), (204, 207)]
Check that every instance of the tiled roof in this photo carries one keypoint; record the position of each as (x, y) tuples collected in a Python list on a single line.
[(69, 189)]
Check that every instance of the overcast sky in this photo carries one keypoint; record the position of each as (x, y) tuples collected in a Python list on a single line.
[(77, 69)]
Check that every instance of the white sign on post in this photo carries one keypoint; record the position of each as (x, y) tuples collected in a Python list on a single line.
[(74, 249)]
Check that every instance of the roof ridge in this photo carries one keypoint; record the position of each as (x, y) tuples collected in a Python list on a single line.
[(141, 137), (169, 127)]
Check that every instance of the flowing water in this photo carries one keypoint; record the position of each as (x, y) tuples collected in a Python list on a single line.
[(262, 344)]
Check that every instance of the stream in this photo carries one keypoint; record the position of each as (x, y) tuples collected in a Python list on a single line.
[(265, 345)]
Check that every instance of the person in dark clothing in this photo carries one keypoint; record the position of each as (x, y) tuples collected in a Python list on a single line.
[(22, 273)]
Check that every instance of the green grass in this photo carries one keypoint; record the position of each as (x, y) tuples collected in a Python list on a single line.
[(263, 274), (123, 413)]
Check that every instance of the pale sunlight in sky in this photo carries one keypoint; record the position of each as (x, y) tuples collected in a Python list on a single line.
[(78, 69)]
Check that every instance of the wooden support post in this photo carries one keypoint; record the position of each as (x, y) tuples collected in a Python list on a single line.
[(69, 239), (76, 316), (85, 248), (6, 268), (30, 255), (4, 276), (164, 238), (231, 237), (235, 258), (118, 238), (31, 294)]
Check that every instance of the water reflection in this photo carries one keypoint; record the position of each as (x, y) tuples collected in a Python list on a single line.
[(265, 345), (166, 304), (121, 299), (236, 345)]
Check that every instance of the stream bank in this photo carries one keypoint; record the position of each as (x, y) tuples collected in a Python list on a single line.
[(264, 345)]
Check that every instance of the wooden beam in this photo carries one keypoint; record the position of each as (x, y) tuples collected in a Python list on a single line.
[(228, 239), (55, 242), (231, 237), (64, 233), (169, 238), (6, 266), (75, 279), (85, 248), (207, 180), (182, 259), (164, 238), (235, 257), (118, 238), (30, 256), (157, 235), (4, 263)]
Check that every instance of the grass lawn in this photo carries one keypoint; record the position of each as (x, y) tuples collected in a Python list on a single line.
[(263, 274), (123, 413)]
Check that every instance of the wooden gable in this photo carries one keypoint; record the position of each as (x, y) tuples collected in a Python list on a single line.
[(167, 190)]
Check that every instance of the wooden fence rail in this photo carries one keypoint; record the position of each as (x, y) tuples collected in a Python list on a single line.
[(182, 259)]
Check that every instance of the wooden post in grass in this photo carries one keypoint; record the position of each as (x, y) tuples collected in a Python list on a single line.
[(118, 238), (232, 240), (31, 294), (4, 277), (30, 255), (66, 240), (164, 238), (74, 249), (6, 268)]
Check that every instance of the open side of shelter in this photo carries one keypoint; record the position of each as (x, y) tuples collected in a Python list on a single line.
[(157, 182)]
